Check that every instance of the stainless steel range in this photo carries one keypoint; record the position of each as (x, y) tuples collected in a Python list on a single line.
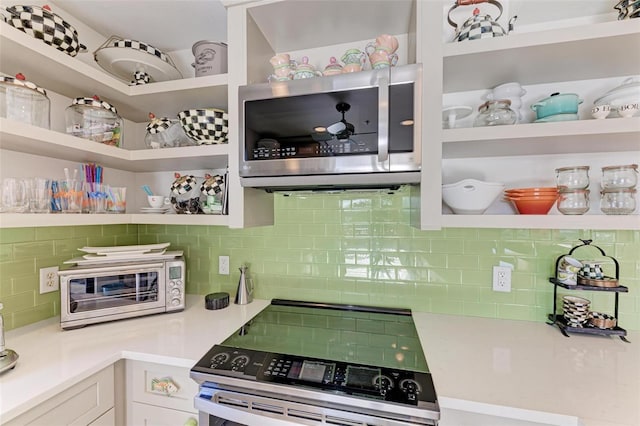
[(314, 363)]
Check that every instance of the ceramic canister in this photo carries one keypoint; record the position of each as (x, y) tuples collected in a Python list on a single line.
[(591, 270)]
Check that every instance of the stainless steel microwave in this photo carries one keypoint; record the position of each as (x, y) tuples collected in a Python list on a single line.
[(357, 129), (100, 293)]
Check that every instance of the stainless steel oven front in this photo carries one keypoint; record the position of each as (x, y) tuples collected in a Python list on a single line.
[(109, 292)]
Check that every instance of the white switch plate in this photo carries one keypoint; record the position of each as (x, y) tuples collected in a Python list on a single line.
[(502, 278), (223, 265), (49, 280)]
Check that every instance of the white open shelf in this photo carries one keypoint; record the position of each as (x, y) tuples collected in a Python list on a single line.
[(68, 76), (554, 221), (566, 54), (565, 137), (21, 137), (21, 220)]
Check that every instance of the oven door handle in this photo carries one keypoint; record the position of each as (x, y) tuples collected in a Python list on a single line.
[(383, 116)]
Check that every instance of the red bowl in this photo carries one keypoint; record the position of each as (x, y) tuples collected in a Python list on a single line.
[(533, 205)]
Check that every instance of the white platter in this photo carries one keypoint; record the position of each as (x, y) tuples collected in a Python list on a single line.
[(121, 249), (123, 62), (81, 261), (123, 254)]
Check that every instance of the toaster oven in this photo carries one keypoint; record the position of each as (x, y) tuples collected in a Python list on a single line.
[(100, 293)]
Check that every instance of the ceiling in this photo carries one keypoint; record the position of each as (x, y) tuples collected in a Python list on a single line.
[(167, 24)]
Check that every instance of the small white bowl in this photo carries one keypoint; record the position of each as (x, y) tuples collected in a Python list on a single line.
[(600, 111), (471, 196), (628, 110)]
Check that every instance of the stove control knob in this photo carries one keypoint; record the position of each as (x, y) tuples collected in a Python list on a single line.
[(239, 362), (410, 387), (383, 384)]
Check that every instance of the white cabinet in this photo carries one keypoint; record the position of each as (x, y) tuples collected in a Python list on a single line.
[(159, 394), (147, 415), (89, 402)]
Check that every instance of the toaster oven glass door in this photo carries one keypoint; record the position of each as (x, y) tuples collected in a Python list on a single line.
[(113, 291)]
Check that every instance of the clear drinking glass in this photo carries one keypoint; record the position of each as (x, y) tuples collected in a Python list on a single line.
[(14, 195), (71, 195), (95, 196), (39, 193), (116, 199)]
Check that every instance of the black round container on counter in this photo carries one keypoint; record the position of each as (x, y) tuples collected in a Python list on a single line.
[(215, 301)]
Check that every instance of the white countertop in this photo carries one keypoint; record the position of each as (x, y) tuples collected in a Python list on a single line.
[(496, 367)]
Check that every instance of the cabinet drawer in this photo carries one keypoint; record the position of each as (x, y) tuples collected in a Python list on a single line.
[(151, 415), (161, 385), (78, 405)]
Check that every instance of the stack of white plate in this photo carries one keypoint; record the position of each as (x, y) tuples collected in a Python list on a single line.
[(576, 310)]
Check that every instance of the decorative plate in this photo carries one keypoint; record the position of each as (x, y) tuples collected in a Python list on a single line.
[(124, 58)]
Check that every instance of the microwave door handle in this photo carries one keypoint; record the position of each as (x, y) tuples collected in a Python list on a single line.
[(383, 117)]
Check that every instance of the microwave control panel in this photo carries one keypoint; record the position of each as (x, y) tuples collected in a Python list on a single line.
[(328, 148)]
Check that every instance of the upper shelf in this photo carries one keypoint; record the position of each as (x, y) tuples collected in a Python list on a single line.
[(56, 71), (565, 137), (529, 221), (22, 220), (566, 54), (21, 137), (297, 25)]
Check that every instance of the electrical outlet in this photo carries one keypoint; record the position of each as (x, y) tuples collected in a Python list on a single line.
[(223, 265), (502, 278), (49, 280)]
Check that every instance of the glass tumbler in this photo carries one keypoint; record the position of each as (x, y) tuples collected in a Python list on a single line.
[(70, 196), (95, 196), (39, 193), (14, 195), (116, 199)]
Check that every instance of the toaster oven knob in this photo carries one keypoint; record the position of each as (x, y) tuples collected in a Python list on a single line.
[(175, 301), (175, 292), (178, 282)]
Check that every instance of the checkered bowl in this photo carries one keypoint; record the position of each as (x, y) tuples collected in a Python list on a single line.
[(41, 23), (206, 126)]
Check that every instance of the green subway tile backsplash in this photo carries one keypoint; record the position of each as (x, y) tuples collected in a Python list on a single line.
[(344, 248)]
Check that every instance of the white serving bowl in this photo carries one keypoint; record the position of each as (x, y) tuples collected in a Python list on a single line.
[(471, 196)]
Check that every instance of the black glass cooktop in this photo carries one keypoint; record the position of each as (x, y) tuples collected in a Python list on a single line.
[(383, 337)]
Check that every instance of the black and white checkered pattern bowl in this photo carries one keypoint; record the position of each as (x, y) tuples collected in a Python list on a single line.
[(47, 26), (206, 126), (145, 47)]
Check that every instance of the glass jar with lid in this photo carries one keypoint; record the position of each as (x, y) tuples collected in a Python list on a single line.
[(573, 202), (574, 177), (94, 119), (23, 101), (614, 177), (495, 113), (618, 201)]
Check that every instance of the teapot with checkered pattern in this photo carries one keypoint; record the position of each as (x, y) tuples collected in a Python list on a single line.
[(479, 26)]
